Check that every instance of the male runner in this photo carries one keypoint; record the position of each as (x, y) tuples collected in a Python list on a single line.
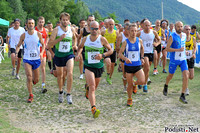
[(111, 35), (176, 45), (64, 39), (190, 53), (13, 38), (134, 50), (32, 55), (94, 53), (148, 35), (120, 39), (42, 30)]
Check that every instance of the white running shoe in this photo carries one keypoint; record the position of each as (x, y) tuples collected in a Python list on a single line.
[(60, 98), (125, 91), (69, 99), (81, 76), (187, 92), (17, 76)]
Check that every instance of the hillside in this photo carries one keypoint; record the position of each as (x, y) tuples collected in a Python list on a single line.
[(139, 9)]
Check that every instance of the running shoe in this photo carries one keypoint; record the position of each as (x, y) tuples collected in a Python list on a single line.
[(165, 90), (134, 89), (17, 76), (108, 79), (30, 99), (183, 100), (95, 112), (81, 76), (187, 92), (44, 90), (125, 90), (130, 102), (145, 89), (148, 81), (13, 72), (154, 72), (164, 71), (69, 99), (139, 86), (60, 98)]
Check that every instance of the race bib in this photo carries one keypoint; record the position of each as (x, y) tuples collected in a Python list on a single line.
[(148, 44), (32, 54), (91, 57), (133, 55), (64, 47), (180, 55), (189, 55)]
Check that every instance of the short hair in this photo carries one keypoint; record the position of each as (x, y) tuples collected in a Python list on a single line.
[(64, 14), (41, 17), (106, 20), (125, 20), (193, 27), (126, 24), (30, 19), (81, 20), (58, 22), (91, 16), (142, 21), (132, 25), (49, 23), (164, 21), (186, 26)]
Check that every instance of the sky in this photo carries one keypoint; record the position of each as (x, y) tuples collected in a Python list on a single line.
[(192, 3)]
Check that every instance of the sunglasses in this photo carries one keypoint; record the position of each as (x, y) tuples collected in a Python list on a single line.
[(187, 29), (94, 28)]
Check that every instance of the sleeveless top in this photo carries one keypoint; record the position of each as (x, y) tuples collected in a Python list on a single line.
[(91, 50), (31, 46), (133, 53), (148, 39), (64, 47), (177, 44), (189, 47), (44, 34), (111, 38)]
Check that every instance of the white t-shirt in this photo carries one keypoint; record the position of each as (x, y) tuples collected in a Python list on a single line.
[(15, 36)]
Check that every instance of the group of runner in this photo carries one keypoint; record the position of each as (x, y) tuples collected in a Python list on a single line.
[(137, 45)]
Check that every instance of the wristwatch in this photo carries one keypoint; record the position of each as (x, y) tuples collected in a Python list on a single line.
[(142, 57), (103, 55)]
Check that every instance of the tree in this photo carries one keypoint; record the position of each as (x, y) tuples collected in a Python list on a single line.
[(6, 11), (18, 10), (77, 10), (113, 16), (97, 16)]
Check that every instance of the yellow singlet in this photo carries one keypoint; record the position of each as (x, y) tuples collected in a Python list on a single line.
[(111, 38), (189, 45), (159, 32)]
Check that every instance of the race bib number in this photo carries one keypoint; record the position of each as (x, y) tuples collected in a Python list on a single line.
[(133, 55), (180, 55), (64, 47), (32, 53), (148, 45), (189, 54), (91, 57)]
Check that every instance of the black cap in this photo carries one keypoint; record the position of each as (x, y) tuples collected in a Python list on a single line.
[(17, 20)]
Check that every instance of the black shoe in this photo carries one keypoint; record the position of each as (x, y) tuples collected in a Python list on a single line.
[(183, 100), (165, 90)]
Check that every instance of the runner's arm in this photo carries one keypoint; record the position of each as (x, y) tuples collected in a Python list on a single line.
[(53, 41), (79, 37), (141, 48), (194, 48), (80, 47), (121, 55), (106, 45), (138, 34), (74, 42), (169, 43), (103, 32), (22, 37), (119, 40), (157, 38), (198, 36), (42, 42), (163, 35)]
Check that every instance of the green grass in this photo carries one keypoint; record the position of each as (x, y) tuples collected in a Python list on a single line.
[(150, 112)]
